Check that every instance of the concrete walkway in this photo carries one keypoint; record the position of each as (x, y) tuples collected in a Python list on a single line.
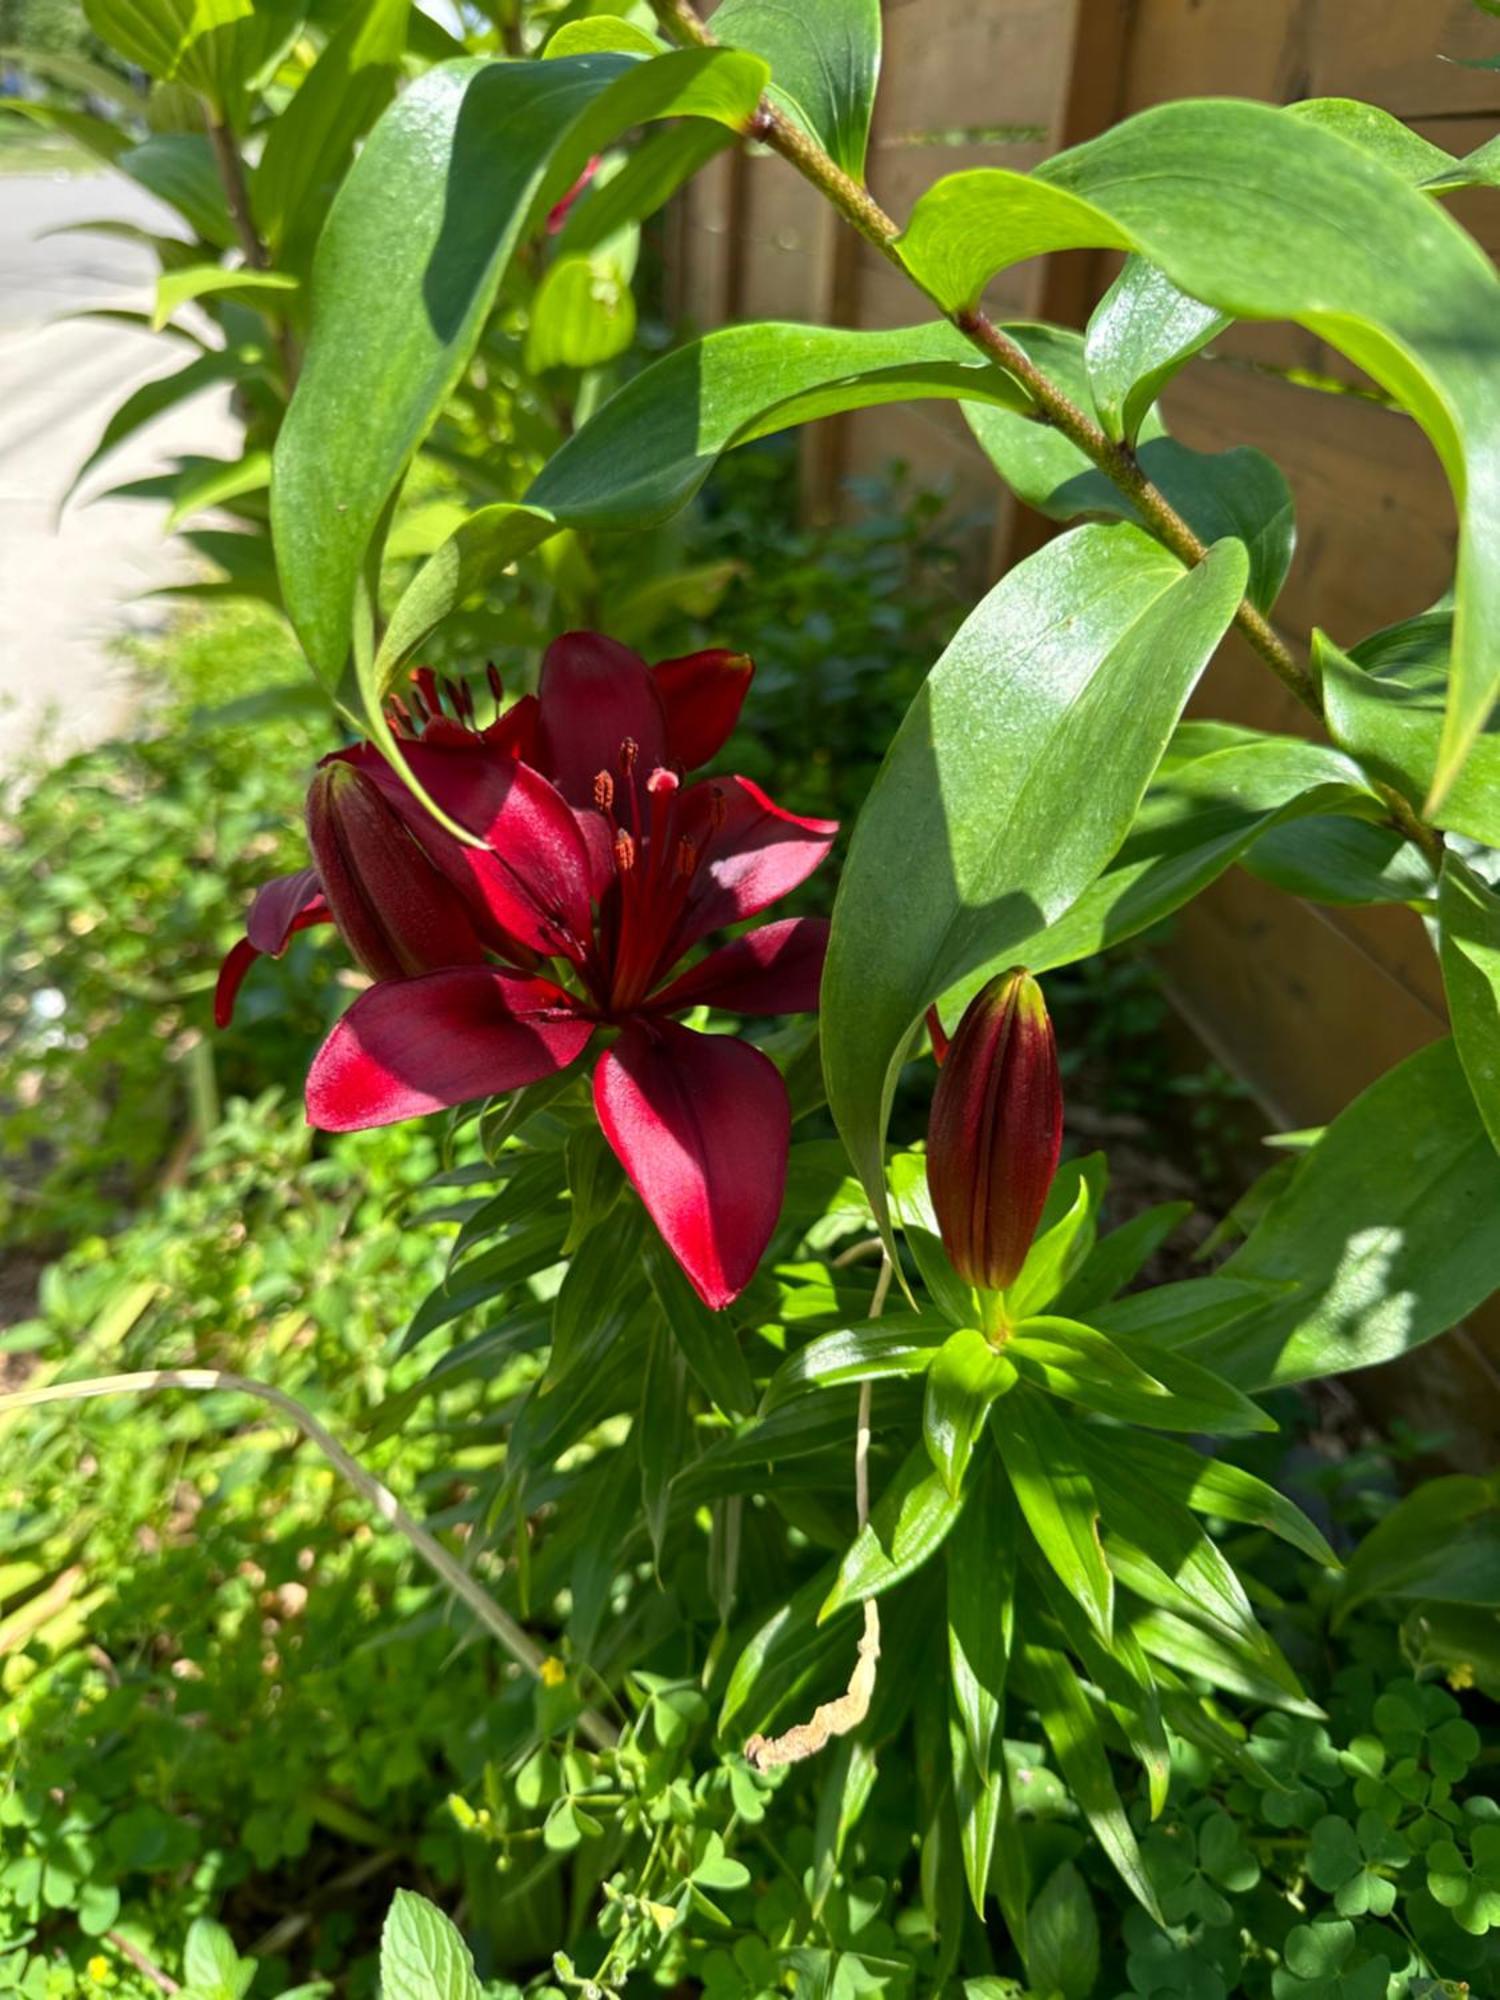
[(67, 582)]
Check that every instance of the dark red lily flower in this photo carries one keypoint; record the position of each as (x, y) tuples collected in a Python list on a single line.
[(996, 1131), (600, 859)]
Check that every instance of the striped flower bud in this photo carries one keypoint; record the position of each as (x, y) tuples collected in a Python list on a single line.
[(397, 914), (996, 1131)]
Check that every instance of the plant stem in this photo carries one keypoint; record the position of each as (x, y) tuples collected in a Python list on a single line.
[(1117, 462), (522, 1648), (257, 257)]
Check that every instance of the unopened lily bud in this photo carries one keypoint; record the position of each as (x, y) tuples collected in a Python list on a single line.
[(397, 914), (996, 1131)]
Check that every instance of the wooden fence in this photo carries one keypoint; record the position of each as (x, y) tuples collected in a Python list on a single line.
[(1307, 1004)]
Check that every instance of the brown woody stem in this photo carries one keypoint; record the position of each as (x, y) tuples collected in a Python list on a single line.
[(1117, 462)]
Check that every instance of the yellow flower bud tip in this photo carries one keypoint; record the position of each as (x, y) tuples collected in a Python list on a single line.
[(552, 1673), (1461, 1676)]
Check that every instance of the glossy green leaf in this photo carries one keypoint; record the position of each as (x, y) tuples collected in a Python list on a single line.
[(1119, 1257), (152, 399), (1469, 922), (404, 279), (1379, 1246), (824, 60), (1191, 1309), (650, 176), (1385, 703), (981, 1557), (907, 1526), (1217, 793), (1042, 1462), (646, 452), (1139, 1384), (1064, 1238), (602, 34), (710, 1345), (1049, 1682), (491, 539), (1442, 1542), (1341, 861), (964, 1378), (99, 136), (1210, 1656), (596, 1300), (1013, 778), (977, 1806), (900, 1344), (270, 291), (216, 47), (216, 483), (907, 1178), (1212, 1486), (1035, 460), (310, 144), (1378, 134), (1140, 334), (1262, 215)]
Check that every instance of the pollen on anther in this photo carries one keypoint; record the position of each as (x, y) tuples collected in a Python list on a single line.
[(624, 852), (687, 857), (718, 810), (604, 791), (629, 751)]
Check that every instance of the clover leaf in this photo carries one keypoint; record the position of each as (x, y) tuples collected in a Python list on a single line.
[(1320, 1964), (1348, 1862), (1295, 1752), (1425, 1722), (1470, 1893)]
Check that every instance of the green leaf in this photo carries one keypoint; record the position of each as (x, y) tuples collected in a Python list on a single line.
[(599, 1293), (309, 146), (1210, 802), (1049, 1682), (1138, 1383), (404, 279), (218, 48), (964, 1378), (650, 176), (900, 1344), (1064, 1238), (1213, 1486), (266, 290), (152, 399), (1062, 1936), (1261, 215), (487, 543), (646, 452), (1119, 1257), (824, 64), (978, 1800), (422, 1956), (1381, 136), (1039, 1450), (210, 1963), (1469, 923), (782, 1659), (981, 1559), (1385, 704), (1013, 778), (1209, 1655), (99, 136), (907, 1178), (582, 316), (1377, 1245), (907, 1526), (179, 169), (1141, 333), (708, 1340), (1441, 1542), (1338, 860), (602, 34)]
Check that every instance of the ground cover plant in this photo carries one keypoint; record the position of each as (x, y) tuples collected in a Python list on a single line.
[(861, 1581)]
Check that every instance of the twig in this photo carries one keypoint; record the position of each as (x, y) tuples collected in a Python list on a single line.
[(1117, 462), (517, 1642), (141, 1963), (848, 1710), (257, 256)]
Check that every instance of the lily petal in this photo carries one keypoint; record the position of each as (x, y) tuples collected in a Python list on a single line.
[(283, 905), (596, 695), (287, 904), (530, 883), (410, 1046), (775, 970), (751, 854), (702, 694), (701, 1125)]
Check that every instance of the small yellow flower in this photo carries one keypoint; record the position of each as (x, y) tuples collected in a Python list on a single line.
[(552, 1672), (1461, 1676), (98, 1968)]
